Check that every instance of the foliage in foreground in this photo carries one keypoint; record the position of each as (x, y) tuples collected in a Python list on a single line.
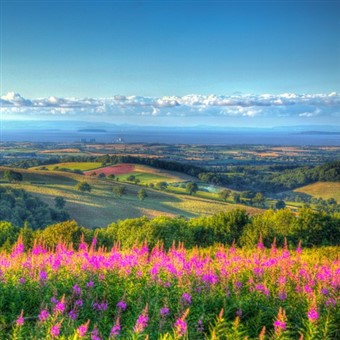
[(137, 293)]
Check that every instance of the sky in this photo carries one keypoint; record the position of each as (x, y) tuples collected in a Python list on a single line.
[(245, 63)]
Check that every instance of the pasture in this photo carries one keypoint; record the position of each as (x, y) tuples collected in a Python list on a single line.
[(325, 190)]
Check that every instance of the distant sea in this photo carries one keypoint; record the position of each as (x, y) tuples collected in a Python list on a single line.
[(173, 136)]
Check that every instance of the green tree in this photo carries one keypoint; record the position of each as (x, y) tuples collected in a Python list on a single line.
[(101, 175), (280, 205), (224, 194), (67, 232), (236, 197), (12, 176), (259, 199), (162, 185), (59, 202), (142, 194), (192, 188), (131, 178), (83, 186), (111, 176), (120, 190)]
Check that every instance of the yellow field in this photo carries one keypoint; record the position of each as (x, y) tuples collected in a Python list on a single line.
[(324, 190)]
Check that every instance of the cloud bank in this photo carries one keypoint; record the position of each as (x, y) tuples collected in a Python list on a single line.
[(302, 106)]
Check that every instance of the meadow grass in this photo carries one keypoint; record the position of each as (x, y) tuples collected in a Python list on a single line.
[(325, 190)]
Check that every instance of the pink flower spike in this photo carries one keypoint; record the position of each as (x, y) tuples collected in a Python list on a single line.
[(115, 330), (20, 320), (55, 330), (44, 314), (142, 321), (313, 315), (82, 329)]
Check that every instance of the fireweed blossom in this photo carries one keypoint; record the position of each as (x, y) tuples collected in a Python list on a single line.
[(121, 305), (115, 330), (60, 306), (313, 314), (22, 280), (90, 284), (186, 298), (280, 322), (181, 325), (184, 275), (199, 326), (164, 311), (95, 334), (20, 320), (76, 290), (55, 330), (142, 321), (43, 315), (82, 329)]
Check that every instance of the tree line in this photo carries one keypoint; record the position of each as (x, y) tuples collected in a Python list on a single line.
[(310, 227)]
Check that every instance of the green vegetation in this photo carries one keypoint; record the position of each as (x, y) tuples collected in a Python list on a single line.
[(83, 186), (220, 292), (120, 190), (192, 188), (71, 166), (19, 207), (12, 176), (236, 226), (142, 195), (59, 202)]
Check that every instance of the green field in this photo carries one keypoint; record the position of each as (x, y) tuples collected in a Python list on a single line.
[(325, 190), (101, 206), (145, 177), (83, 166)]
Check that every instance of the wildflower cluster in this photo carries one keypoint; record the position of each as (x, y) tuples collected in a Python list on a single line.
[(95, 294)]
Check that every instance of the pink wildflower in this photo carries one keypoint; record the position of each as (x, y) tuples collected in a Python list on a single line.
[(121, 305), (280, 322), (82, 329), (115, 330), (186, 297), (44, 314), (76, 289), (55, 330), (95, 334), (20, 320), (142, 321), (313, 314), (181, 325), (60, 306)]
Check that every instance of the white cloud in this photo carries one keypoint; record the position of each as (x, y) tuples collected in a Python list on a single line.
[(192, 105)]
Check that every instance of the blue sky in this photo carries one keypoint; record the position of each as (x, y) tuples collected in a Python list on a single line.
[(99, 49)]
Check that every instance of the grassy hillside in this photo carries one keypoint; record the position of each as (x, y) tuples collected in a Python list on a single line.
[(325, 190), (101, 206)]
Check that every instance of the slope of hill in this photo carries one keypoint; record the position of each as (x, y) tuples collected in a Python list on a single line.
[(101, 206), (325, 190)]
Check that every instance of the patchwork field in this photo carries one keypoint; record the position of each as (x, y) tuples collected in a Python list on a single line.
[(324, 190), (101, 206)]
